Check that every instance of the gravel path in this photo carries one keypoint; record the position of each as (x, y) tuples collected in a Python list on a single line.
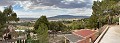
[(112, 35)]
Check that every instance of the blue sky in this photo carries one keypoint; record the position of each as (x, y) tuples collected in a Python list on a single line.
[(37, 8)]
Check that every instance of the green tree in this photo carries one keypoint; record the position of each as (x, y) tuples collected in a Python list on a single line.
[(6, 16), (42, 19), (42, 33), (56, 26), (41, 28), (78, 24), (105, 10), (2, 22), (10, 14), (93, 21)]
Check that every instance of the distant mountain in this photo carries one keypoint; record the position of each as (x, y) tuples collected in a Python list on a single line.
[(59, 17), (67, 17), (28, 18)]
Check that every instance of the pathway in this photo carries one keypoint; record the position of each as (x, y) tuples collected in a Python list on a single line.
[(112, 35)]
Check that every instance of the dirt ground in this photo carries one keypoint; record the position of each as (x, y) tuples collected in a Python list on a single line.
[(58, 38)]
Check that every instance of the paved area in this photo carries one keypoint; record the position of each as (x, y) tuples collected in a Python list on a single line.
[(112, 35)]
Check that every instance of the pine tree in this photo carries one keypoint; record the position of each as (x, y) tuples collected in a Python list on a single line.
[(42, 19), (10, 14), (42, 33), (41, 28)]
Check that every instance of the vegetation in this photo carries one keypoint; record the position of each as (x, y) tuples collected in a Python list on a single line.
[(41, 28), (6, 16), (2, 22), (56, 26), (104, 12), (10, 14), (24, 24), (77, 25)]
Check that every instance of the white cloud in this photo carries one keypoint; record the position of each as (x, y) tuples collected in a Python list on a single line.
[(25, 4), (80, 11), (28, 5), (30, 9), (96, 0), (54, 12), (1, 8), (69, 0), (74, 0)]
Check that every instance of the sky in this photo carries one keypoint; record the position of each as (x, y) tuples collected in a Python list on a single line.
[(49, 8)]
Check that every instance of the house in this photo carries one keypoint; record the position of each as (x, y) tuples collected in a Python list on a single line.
[(81, 36), (11, 36), (73, 38)]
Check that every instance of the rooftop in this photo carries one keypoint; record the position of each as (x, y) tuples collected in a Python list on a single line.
[(80, 35), (73, 38), (84, 32)]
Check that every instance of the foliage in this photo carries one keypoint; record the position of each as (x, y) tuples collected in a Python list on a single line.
[(2, 22), (57, 26), (6, 16), (41, 28), (77, 25), (2, 19), (10, 14), (42, 33), (115, 19), (103, 12), (42, 19)]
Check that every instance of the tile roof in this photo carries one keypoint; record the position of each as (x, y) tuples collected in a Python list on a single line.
[(84, 32), (73, 38), (80, 35)]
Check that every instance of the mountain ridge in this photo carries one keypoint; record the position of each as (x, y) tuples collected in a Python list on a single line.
[(59, 17), (67, 17)]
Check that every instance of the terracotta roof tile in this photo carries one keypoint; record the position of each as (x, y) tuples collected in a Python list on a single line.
[(84, 32)]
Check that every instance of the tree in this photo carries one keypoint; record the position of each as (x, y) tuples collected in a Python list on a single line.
[(6, 16), (105, 10), (42, 33), (76, 25), (56, 26), (41, 28), (42, 19), (10, 14), (93, 21), (2, 22)]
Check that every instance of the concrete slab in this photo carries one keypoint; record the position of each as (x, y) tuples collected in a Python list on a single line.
[(112, 35)]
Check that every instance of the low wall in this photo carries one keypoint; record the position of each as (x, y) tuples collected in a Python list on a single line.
[(101, 35)]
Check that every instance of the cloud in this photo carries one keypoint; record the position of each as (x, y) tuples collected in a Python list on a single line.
[(1, 8), (50, 13), (6, 2), (36, 8), (48, 4)]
